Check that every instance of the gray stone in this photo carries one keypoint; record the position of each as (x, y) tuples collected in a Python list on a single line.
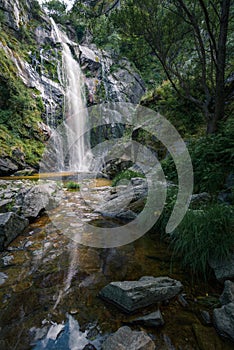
[(11, 225), (223, 319), (133, 295), (228, 293), (126, 339), (154, 319), (37, 199), (223, 269)]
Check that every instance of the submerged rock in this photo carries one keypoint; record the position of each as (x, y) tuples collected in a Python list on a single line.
[(126, 339), (133, 295), (154, 319), (224, 320), (11, 225)]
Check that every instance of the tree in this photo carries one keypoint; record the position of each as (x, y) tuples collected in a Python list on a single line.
[(191, 41)]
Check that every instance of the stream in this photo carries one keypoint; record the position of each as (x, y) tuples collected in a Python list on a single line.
[(50, 285)]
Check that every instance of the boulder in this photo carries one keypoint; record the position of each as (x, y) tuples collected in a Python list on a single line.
[(223, 269), (154, 319), (223, 319), (11, 225), (133, 295), (228, 293), (126, 339), (37, 199)]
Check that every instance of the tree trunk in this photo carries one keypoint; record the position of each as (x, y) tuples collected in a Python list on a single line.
[(220, 69)]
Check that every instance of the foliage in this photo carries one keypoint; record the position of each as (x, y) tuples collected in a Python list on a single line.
[(212, 159), (20, 112), (203, 235), (71, 185), (186, 117), (126, 174), (190, 41), (167, 210)]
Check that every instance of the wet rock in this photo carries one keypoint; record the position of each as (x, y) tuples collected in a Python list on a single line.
[(3, 277), (223, 319), (133, 295), (154, 319), (37, 199), (223, 269), (228, 293), (126, 339), (11, 225)]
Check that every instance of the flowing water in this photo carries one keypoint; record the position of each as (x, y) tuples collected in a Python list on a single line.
[(76, 116), (50, 284)]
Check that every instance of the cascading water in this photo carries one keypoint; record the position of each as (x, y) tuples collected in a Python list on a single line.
[(76, 116)]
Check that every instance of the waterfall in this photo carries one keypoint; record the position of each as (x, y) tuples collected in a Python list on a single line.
[(75, 111)]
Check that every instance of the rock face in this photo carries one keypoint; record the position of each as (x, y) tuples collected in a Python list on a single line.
[(107, 77), (133, 295), (224, 270), (126, 339), (223, 319), (15, 13), (11, 225)]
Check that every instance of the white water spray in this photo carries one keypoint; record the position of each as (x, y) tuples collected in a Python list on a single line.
[(76, 115)]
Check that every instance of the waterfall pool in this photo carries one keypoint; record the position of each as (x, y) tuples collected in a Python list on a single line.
[(49, 293)]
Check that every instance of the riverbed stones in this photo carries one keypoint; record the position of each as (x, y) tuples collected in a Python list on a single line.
[(11, 225), (133, 295), (126, 339), (223, 319)]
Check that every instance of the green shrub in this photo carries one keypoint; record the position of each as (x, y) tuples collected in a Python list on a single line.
[(126, 174), (204, 235), (72, 186), (212, 159)]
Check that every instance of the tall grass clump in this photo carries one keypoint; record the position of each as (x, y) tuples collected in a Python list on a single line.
[(203, 235)]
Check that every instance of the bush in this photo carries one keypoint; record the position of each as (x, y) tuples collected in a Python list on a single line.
[(126, 174), (212, 159), (72, 186), (204, 235)]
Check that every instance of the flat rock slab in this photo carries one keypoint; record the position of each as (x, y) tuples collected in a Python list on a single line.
[(126, 339), (133, 295), (224, 320), (11, 225)]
